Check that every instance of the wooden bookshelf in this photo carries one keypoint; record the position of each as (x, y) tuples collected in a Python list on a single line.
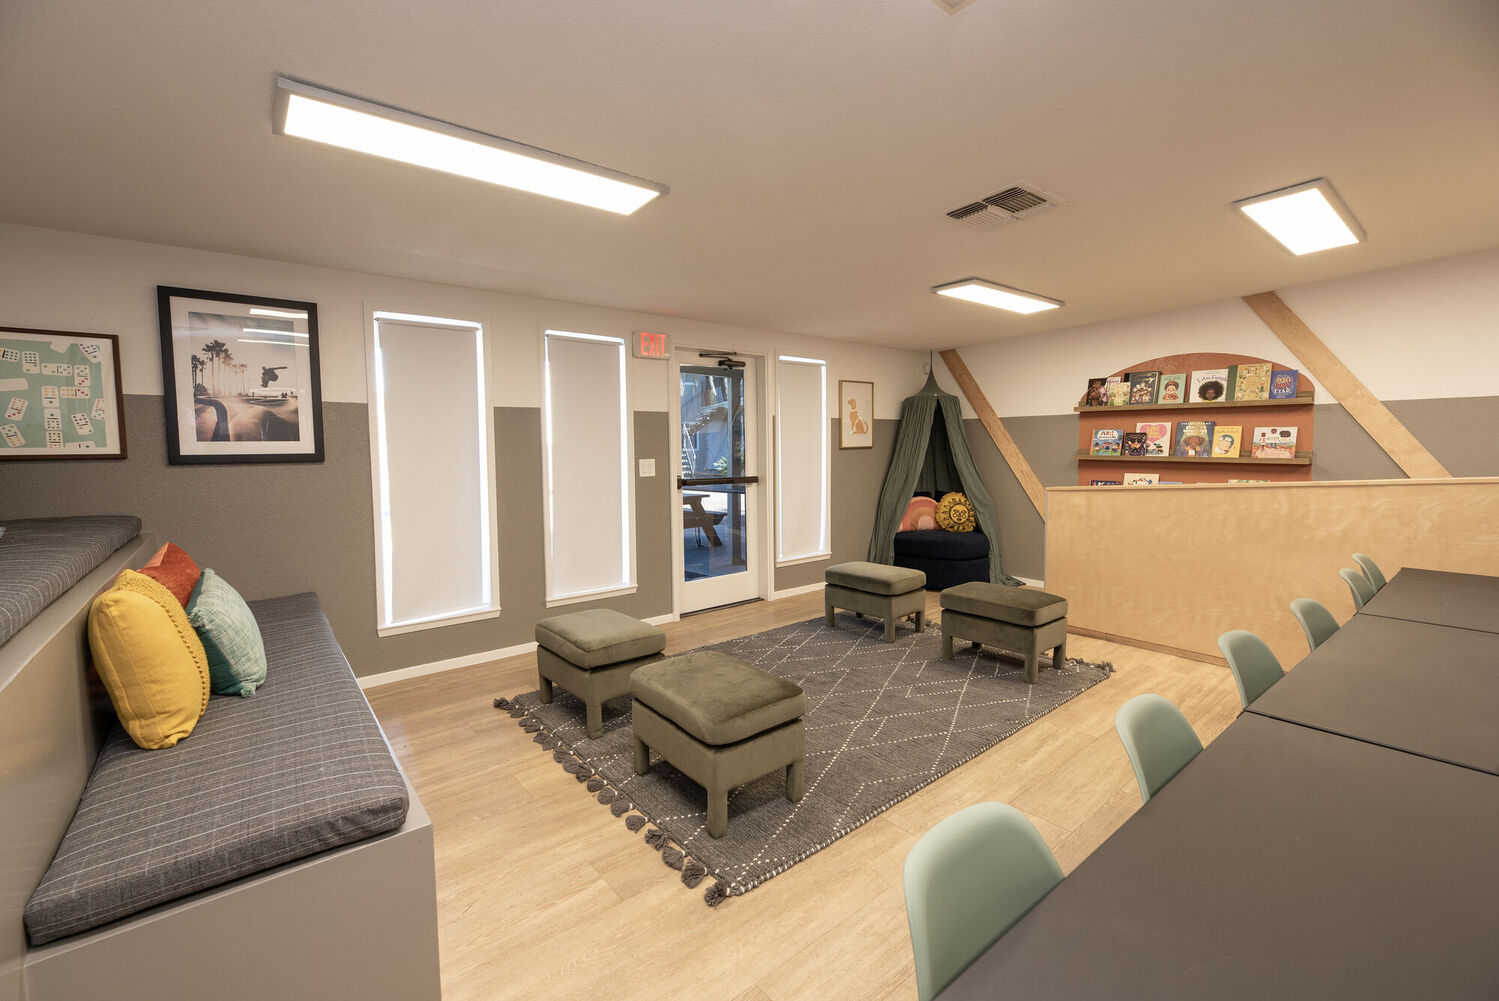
[(1298, 411)]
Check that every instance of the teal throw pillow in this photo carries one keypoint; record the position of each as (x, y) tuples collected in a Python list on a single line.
[(231, 639)]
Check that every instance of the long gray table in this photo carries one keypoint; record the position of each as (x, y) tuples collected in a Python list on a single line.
[(1284, 862), (1413, 686), (1466, 600)]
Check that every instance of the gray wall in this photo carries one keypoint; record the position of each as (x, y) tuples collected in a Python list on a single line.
[(1454, 430), (280, 529)]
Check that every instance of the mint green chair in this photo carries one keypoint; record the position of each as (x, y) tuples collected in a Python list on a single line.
[(1362, 590), (968, 880), (1254, 666), (1316, 621), (1371, 571), (1158, 740)]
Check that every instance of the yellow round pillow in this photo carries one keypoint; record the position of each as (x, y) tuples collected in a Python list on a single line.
[(150, 660), (954, 513)]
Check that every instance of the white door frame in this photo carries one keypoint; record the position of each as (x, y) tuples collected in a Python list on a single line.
[(759, 546)]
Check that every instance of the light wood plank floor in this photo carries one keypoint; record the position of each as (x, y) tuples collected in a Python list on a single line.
[(542, 893)]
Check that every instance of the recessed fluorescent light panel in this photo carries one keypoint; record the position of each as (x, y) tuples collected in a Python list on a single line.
[(999, 296), (326, 116), (1305, 217)]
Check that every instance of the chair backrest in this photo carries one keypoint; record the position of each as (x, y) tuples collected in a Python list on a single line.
[(968, 879), (1371, 570), (1158, 740), (1316, 621), (1361, 588), (1254, 666)]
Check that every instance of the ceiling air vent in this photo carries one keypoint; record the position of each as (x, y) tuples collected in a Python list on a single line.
[(1011, 204)]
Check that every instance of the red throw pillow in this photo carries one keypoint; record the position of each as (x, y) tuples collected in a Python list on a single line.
[(174, 570), (921, 515)]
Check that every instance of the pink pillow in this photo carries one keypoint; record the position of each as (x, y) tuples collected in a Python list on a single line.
[(921, 515)]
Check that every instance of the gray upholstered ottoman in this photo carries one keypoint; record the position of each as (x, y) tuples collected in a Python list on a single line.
[(721, 722), (592, 654), (885, 592), (1011, 618)]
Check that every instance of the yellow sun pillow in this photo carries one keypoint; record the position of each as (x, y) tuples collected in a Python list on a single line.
[(150, 660), (954, 513)]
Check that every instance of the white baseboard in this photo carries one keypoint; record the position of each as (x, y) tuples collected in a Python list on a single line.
[(661, 620), (1033, 583), (792, 592), (438, 666)]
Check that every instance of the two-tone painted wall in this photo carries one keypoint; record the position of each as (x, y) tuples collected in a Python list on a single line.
[(1424, 339), (277, 529)]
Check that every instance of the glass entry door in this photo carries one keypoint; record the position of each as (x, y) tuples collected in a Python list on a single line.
[(717, 481)]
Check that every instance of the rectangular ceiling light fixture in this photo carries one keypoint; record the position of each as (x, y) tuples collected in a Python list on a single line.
[(327, 116), (987, 293), (1305, 217)]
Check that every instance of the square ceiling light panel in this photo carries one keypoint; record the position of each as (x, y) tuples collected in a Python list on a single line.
[(1304, 218), (987, 293), (326, 116)]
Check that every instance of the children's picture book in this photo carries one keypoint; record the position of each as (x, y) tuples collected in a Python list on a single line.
[(1250, 381), (1142, 386), (1104, 483), (1134, 443), (1210, 385), (1173, 388), (1194, 439), (1107, 441), (1273, 443), (1157, 437), (1096, 396), (1117, 389), (1283, 384), (1226, 441), (1142, 479)]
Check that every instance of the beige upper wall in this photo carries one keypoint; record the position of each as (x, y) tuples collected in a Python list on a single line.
[(1426, 331), (70, 281)]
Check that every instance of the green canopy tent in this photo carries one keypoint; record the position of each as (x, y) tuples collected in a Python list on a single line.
[(931, 456)]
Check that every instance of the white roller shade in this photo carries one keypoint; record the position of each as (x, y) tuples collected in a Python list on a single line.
[(587, 450), (433, 470), (801, 458)]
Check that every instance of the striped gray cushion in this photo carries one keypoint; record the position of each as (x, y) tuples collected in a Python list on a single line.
[(300, 768), (40, 558)]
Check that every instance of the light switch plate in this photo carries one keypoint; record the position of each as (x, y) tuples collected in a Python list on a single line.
[(647, 467)]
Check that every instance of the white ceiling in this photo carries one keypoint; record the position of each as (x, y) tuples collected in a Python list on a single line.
[(811, 148)]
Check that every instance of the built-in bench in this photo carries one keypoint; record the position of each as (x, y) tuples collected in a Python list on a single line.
[(276, 852)]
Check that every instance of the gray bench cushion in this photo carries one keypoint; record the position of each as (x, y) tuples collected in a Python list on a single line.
[(717, 698), (875, 578), (40, 558), (300, 767), (1019, 605), (598, 637)]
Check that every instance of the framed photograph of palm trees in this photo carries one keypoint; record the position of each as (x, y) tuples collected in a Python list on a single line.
[(239, 377)]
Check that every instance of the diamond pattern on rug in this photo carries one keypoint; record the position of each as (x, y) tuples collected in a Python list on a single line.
[(883, 720)]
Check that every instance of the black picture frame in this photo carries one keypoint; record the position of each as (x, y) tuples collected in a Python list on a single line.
[(227, 418)]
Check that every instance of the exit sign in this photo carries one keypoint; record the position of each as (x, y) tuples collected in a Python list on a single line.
[(644, 344)]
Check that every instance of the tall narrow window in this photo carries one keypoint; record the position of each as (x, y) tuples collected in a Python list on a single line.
[(589, 542), (801, 459), (433, 472)]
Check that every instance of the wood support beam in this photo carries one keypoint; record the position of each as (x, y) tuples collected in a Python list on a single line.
[(1325, 367), (1029, 482)]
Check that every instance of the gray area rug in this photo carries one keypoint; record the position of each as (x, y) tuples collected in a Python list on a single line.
[(882, 720)]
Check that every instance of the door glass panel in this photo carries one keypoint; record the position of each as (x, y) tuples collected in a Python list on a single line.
[(714, 517)]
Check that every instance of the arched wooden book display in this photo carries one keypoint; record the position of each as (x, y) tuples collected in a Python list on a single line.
[(1295, 412)]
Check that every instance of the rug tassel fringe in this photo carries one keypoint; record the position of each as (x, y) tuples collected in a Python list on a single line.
[(693, 872), (502, 703), (655, 838), (714, 895), (672, 857), (620, 807), (594, 785), (606, 795), (634, 822)]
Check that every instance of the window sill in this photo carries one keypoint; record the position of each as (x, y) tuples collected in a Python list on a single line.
[(575, 599), (796, 560), (397, 628)]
